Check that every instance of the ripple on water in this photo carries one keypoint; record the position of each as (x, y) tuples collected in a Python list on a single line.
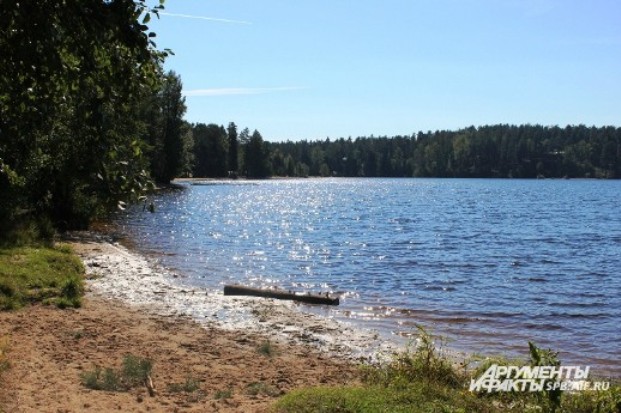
[(489, 263)]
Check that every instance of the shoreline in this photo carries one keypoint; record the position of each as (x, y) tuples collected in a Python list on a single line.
[(116, 272), (239, 354), (138, 280)]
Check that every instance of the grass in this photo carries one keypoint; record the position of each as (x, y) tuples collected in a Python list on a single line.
[(422, 380), (4, 359), (191, 388), (257, 388), (190, 385), (267, 349), (223, 394), (29, 274), (134, 373)]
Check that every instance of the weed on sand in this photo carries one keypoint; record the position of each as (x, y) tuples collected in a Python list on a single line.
[(136, 371)]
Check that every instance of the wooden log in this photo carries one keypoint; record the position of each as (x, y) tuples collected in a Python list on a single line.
[(280, 295)]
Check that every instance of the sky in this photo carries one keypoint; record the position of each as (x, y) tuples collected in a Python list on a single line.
[(347, 68)]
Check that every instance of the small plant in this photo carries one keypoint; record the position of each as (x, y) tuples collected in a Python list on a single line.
[(72, 288), (77, 334), (267, 349), (256, 388), (136, 371), (224, 394), (98, 379), (4, 360), (189, 386)]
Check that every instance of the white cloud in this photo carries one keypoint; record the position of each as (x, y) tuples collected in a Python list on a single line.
[(212, 19), (239, 91)]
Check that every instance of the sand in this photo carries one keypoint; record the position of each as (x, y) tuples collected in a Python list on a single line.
[(132, 306)]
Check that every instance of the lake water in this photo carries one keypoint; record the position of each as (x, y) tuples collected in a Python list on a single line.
[(489, 264)]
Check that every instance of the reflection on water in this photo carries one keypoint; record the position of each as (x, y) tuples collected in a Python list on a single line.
[(488, 263)]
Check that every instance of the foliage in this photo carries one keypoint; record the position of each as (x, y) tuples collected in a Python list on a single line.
[(31, 274), (98, 379), (496, 151), (425, 381), (425, 364), (136, 369), (256, 157), (72, 77), (134, 372), (233, 154), (493, 151), (168, 135), (210, 150), (375, 399)]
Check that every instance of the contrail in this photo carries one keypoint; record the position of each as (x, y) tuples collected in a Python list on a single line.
[(238, 91), (213, 19)]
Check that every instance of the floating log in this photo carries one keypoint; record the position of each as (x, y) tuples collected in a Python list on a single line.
[(281, 295)]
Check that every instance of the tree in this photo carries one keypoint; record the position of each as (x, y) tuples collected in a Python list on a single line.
[(256, 157), (210, 150), (72, 77), (167, 133), (233, 144)]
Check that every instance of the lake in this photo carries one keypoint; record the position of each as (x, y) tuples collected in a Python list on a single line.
[(488, 264)]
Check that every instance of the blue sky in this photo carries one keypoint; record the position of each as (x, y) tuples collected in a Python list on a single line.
[(339, 68)]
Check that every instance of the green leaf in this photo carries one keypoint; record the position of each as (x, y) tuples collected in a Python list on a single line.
[(146, 19)]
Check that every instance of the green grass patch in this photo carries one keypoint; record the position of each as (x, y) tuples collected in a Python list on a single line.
[(52, 275), (370, 399)]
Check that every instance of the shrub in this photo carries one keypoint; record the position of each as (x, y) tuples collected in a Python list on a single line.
[(98, 379), (425, 364), (136, 369), (71, 292)]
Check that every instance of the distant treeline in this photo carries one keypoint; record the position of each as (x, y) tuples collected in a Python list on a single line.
[(496, 151)]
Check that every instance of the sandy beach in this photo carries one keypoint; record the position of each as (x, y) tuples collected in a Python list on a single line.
[(133, 306)]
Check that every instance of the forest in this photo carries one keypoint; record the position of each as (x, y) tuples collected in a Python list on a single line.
[(90, 121), (495, 151)]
